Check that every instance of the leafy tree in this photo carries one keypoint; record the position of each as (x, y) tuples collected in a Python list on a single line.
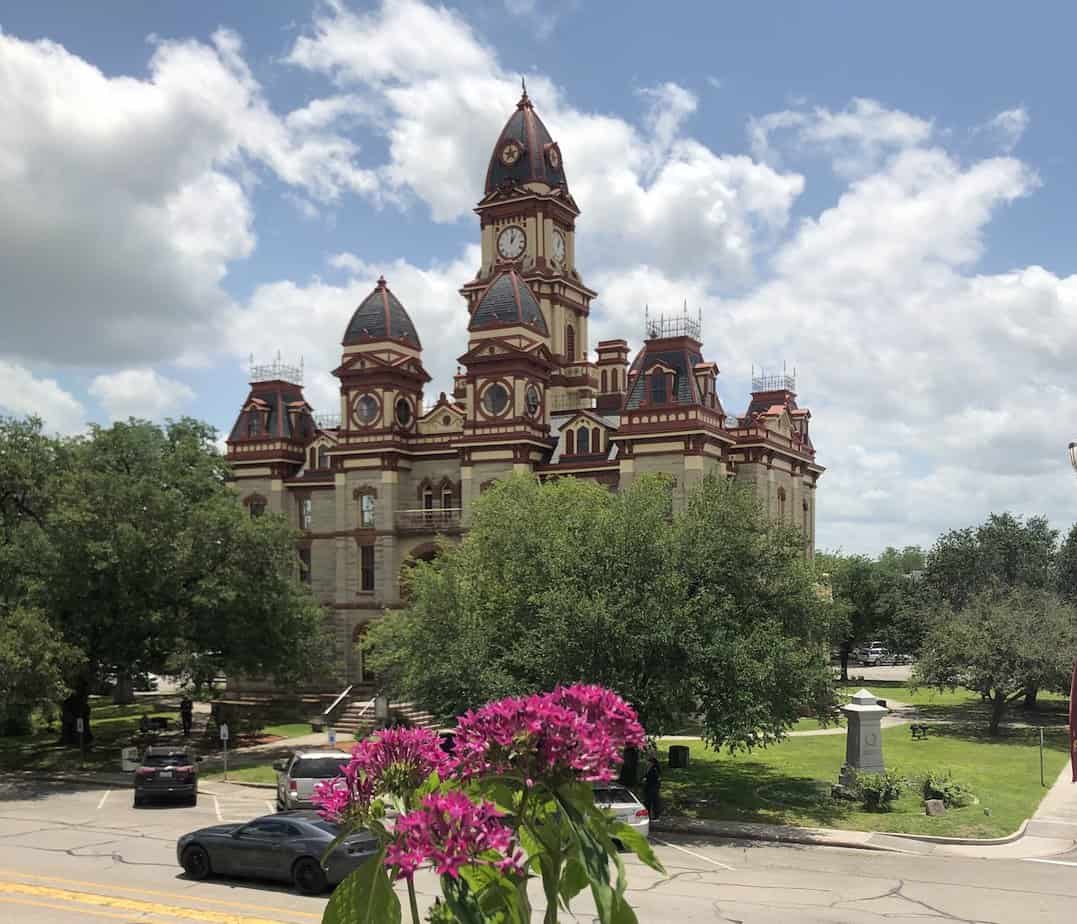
[(1006, 552), (1066, 567), (903, 562), (855, 587), (999, 645), (711, 609), (144, 560), (33, 664)]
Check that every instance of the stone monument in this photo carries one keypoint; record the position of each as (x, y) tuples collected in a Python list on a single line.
[(864, 740)]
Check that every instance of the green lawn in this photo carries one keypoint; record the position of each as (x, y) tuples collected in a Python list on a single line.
[(789, 783), (810, 724), (263, 773), (288, 729)]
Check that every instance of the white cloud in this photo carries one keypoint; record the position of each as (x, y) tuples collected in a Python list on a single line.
[(126, 200), (649, 192), (1006, 128), (310, 319), (21, 393), (141, 393), (858, 138)]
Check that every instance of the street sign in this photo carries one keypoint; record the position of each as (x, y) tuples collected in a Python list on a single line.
[(332, 737), (80, 725), (224, 733)]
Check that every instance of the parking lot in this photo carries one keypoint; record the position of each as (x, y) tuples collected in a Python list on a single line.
[(71, 854)]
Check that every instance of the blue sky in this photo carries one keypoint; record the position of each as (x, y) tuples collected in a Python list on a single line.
[(881, 196)]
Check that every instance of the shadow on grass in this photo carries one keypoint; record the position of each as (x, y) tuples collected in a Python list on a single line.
[(749, 791)]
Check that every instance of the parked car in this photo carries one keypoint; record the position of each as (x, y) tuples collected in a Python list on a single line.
[(288, 846), (872, 654), (298, 775), (624, 805), (169, 773)]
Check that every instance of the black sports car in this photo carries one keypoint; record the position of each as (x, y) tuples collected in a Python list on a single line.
[(288, 846)]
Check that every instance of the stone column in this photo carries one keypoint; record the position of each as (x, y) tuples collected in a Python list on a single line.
[(864, 740)]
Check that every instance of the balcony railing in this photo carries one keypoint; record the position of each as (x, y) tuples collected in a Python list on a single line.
[(438, 519), (572, 402)]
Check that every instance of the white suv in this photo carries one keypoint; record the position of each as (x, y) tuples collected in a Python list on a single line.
[(297, 777), (873, 654)]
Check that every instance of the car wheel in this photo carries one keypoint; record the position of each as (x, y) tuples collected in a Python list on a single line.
[(309, 877), (195, 862), (193, 800), (139, 801)]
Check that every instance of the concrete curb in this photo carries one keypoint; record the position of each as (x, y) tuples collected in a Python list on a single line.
[(820, 837)]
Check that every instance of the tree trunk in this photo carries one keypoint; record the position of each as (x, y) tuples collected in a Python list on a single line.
[(1030, 697), (844, 663), (998, 707), (76, 706), (124, 692)]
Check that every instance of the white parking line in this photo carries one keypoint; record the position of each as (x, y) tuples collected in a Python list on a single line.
[(101, 804), (1054, 862), (691, 853), (217, 806)]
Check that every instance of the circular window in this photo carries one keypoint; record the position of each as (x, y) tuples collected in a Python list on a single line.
[(403, 412), (532, 400), (366, 410), (495, 399)]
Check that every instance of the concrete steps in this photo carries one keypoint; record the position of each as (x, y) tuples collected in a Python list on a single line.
[(358, 718)]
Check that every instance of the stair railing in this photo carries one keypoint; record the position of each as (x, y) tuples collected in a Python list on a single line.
[(327, 714)]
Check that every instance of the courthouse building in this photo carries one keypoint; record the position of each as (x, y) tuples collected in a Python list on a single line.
[(372, 486)]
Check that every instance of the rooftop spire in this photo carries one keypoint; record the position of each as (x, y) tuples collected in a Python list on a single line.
[(525, 102)]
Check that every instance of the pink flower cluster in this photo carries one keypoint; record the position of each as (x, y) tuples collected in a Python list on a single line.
[(451, 831), (392, 762), (578, 731)]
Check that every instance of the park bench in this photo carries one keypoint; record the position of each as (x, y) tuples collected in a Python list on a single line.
[(919, 732)]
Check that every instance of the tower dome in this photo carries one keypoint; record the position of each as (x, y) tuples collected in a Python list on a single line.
[(525, 152), (508, 302), (380, 316)]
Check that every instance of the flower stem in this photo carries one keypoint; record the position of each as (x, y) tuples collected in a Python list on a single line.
[(414, 904)]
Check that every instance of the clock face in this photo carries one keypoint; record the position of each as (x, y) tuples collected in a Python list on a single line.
[(366, 409), (532, 400), (559, 247), (511, 243), (510, 153)]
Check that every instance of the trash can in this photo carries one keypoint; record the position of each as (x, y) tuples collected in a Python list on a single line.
[(678, 756)]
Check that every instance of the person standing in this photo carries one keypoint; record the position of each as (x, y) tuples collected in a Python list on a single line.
[(186, 715), (652, 783)]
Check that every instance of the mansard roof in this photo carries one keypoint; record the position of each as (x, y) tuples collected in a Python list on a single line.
[(681, 360), (380, 316), (508, 301), (537, 156)]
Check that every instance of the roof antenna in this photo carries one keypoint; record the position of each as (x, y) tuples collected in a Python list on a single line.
[(523, 85)]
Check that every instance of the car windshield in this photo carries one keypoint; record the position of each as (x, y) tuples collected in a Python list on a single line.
[(613, 795), (326, 826), (318, 768), (166, 760)]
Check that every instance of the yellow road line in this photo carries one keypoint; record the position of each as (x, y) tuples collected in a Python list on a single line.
[(248, 906), (118, 903), (7, 899)]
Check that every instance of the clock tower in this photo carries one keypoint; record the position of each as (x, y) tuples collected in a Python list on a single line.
[(527, 218)]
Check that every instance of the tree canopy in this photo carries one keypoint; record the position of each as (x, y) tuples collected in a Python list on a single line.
[(710, 610), (139, 557), (1000, 644)]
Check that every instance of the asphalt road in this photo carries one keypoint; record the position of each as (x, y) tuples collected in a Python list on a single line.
[(76, 855)]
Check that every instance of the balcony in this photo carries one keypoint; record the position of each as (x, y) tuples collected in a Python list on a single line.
[(437, 520), (571, 402)]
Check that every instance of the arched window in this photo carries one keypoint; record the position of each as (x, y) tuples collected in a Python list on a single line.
[(570, 443), (323, 457), (258, 507), (781, 505), (605, 382), (613, 380), (367, 511), (447, 500), (596, 440), (254, 425), (658, 387), (570, 342), (313, 461), (583, 441), (804, 519)]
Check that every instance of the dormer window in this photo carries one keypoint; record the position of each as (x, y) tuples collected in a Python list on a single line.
[(323, 458), (659, 382), (583, 441), (254, 425)]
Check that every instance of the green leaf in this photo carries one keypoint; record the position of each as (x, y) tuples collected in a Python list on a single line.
[(637, 843), (573, 881), (366, 896)]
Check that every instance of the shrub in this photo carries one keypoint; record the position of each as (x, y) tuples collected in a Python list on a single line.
[(943, 786), (878, 790)]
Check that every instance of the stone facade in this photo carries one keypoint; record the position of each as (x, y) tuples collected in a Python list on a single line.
[(377, 486)]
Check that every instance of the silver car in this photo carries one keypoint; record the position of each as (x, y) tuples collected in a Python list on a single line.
[(297, 776), (622, 803)]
